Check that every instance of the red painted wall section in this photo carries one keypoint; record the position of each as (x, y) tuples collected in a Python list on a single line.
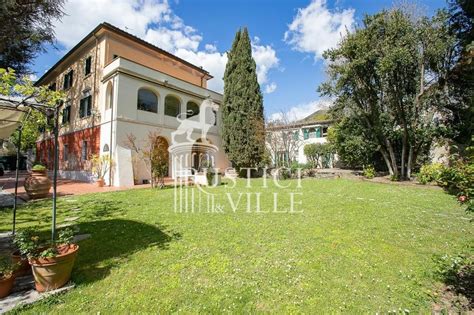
[(71, 149)]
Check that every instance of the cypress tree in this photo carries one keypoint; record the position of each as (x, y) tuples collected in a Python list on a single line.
[(243, 132)]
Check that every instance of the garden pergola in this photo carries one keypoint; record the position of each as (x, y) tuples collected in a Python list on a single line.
[(13, 113)]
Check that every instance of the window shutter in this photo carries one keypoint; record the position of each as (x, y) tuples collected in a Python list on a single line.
[(318, 132), (305, 134), (89, 105)]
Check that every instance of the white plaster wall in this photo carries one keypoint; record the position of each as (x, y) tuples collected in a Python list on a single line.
[(128, 78)]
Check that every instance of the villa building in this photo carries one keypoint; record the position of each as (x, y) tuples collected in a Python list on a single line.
[(119, 86), (286, 141)]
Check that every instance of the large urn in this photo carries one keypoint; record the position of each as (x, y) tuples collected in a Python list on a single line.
[(37, 185)]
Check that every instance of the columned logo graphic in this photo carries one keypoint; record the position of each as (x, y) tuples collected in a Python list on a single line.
[(194, 164), (193, 154)]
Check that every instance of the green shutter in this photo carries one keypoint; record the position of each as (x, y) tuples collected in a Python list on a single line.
[(318, 132), (305, 134)]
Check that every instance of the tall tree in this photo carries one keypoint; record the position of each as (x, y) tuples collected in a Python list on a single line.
[(461, 77), (391, 75), (243, 128), (26, 27)]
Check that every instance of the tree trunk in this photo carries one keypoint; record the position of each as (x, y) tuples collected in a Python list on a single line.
[(393, 159), (410, 160), (404, 154), (387, 160)]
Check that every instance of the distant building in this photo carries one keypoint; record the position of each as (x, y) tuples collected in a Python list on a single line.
[(118, 85), (286, 140)]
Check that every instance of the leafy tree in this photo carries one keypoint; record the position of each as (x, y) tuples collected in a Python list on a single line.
[(35, 121), (460, 112), (26, 27), (317, 152), (391, 76), (243, 128), (353, 146)]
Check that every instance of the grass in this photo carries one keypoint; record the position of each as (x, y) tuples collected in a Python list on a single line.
[(356, 247)]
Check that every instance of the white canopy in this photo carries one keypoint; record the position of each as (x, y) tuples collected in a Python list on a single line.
[(11, 115)]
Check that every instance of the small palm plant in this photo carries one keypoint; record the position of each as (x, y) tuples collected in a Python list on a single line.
[(101, 164)]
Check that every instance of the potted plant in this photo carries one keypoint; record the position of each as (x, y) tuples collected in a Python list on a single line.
[(37, 185), (101, 164), (7, 276), (23, 266), (51, 262)]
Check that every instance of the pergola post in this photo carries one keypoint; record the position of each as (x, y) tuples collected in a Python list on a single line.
[(18, 148), (55, 170)]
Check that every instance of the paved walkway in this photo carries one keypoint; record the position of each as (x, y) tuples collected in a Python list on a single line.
[(65, 186)]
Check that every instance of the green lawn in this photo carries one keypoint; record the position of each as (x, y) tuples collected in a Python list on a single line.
[(357, 246)]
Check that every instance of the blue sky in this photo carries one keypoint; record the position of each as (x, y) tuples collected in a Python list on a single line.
[(288, 37)]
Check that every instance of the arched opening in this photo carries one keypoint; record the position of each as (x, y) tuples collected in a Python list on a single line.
[(109, 96), (200, 158), (147, 100), (192, 109), (172, 106)]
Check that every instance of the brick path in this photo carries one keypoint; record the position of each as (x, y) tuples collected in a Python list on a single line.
[(65, 186)]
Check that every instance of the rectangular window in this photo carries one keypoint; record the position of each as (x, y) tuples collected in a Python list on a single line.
[(87, 65), (67, 113), (85, 107), (325, 131), (68, 80), (52, 86), (84, 151), (215, 117), (65, 153)]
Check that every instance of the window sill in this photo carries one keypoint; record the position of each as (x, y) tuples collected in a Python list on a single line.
[(87, 75), (146, 111)]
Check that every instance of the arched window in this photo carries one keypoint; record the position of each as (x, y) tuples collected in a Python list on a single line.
[(192, 109), (147, 101), (172, 106), (109, 96)]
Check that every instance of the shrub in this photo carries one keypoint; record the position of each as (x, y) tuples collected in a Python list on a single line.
[(369, 172), (295, 166), (284, 173), (458, 179), (38, 167), (430, 173)]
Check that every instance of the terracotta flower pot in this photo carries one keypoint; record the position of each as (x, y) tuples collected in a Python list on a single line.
[(24, 267), (100, 182), (6, 285), (37, 185), (54, 272)]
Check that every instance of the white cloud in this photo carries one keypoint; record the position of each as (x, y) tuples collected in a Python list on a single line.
[(270, 88), (265, 58), (214, 62), (171, 40), (155, 22), (133, 16), (302, 110), (316, 29)]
